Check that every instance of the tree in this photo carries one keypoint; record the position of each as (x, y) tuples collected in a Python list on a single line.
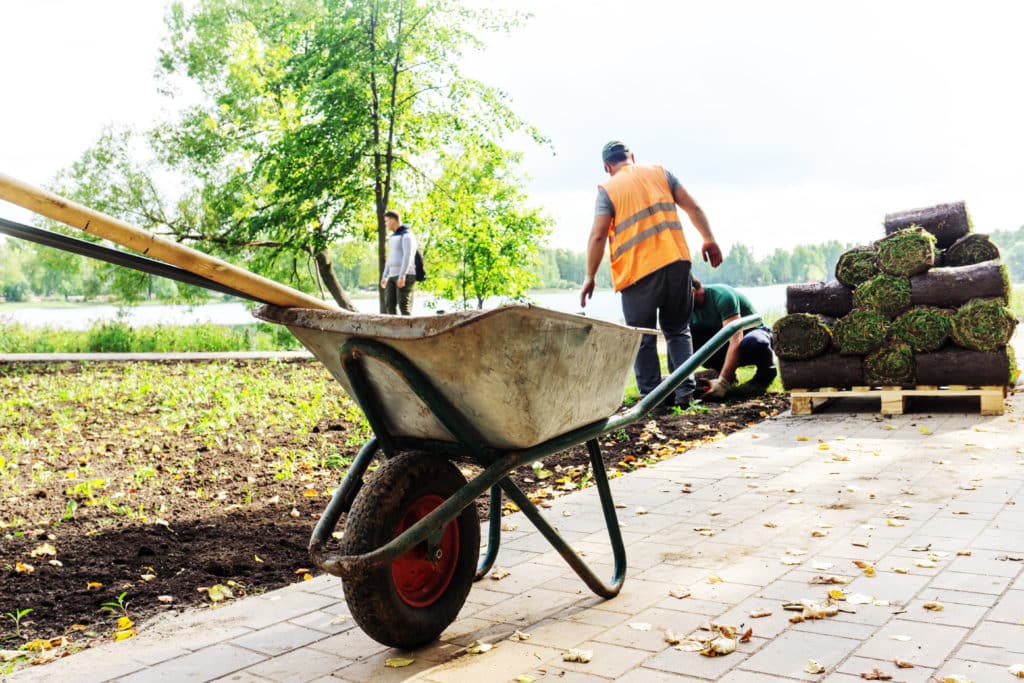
[(484, 237), (314, 112)]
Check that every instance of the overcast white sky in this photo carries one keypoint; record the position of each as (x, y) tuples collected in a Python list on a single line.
[(790, 122)]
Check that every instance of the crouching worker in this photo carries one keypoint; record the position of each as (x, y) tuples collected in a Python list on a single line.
[(714, 307)]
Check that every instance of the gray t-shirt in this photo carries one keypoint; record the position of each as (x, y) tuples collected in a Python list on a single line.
[(401, 253), (603, 206)]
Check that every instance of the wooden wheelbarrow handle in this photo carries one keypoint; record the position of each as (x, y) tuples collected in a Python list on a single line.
[(83, 218)]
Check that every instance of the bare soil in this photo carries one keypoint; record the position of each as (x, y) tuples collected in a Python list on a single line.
[(251, 548)]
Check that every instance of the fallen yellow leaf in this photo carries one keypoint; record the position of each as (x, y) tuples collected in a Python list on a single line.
[(398, 662)]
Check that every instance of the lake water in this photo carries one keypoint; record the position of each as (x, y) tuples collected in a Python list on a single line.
[(604, 305)]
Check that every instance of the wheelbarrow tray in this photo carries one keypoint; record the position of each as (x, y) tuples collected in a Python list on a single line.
[(520, 374)]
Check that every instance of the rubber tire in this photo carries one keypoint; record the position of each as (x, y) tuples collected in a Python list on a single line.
[(376, 513)]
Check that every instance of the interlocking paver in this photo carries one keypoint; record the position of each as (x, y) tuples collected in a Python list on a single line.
[(998, 634), (971, 583), (1010, 608), (787, 654), (206, 664), (855, 666), (951, 614), (928, 644), (298, 666), (279, 638), (658, 621)]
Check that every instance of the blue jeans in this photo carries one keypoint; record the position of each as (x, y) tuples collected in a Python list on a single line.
[(662, 299)]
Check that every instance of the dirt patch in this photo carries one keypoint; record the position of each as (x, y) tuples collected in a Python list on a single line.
[(206, 525)]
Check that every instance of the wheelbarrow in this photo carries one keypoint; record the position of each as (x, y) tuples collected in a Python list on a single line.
[(500, 389)]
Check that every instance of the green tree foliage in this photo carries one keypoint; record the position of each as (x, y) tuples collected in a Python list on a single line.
[(315, 111), (484, 237)]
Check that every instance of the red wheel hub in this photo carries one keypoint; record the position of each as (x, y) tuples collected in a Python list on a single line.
[(419, 579)]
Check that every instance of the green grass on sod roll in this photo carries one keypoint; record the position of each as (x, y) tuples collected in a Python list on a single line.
[(887, 294), (906, 252), (890, 366), (857, 265), (799, 336), (924, 328), (860, 331), (983, 325), (970, 249)]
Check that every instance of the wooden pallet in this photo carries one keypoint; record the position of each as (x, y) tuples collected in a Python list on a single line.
[(805, 401)]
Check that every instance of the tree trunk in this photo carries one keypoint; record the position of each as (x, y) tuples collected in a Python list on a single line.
[(949, 287), (326, 270), (832, 299), (948, 222), (962, 366), (828, 370)]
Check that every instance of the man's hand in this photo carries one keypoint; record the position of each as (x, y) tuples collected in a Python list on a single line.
[(586, 292), (401, 282), (712, 254), (383, 283), (717, 388)]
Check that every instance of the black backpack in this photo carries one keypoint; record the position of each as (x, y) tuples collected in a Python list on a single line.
[(421, 274)]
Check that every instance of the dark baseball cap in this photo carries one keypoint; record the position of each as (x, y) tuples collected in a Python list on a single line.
[(614, 148)]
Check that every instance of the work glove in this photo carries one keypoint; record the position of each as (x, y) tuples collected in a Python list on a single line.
[(716, 388)]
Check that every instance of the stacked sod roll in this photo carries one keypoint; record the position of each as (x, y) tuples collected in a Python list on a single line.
[(924, 305)]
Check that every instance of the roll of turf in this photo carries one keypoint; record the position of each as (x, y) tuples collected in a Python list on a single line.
[(799, 336), (860, 331), (983, 325), (891, 365), (924, 328), (887, 294)]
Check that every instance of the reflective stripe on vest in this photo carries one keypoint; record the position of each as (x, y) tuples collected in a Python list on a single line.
[(646, 234)]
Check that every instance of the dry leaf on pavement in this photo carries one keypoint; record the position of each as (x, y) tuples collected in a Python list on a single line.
[(582, 656), (876, 674), (397, 662), (813, 667), (719, 646)]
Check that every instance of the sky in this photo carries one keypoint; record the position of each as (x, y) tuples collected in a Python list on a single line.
[(789, 122)]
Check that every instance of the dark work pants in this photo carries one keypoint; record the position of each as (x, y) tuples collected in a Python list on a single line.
[(755, 349), (399, 298), (662, 299)]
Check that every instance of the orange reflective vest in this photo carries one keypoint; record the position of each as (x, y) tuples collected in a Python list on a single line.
[(645, 233)]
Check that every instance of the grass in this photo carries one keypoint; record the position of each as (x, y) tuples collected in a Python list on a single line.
[(117, 336)]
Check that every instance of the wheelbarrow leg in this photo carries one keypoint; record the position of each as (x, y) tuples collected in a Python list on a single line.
[(343, 496), (493, 535), (611, 520)]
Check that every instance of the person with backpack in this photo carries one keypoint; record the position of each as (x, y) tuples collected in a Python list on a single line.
[(399, 277)]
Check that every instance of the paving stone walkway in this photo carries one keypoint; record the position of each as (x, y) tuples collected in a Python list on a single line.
[(934, 499)]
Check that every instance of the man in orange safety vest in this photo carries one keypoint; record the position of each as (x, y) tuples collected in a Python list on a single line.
[(636, 217)]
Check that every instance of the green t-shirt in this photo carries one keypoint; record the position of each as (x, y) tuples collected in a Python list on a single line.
[(720, 303)]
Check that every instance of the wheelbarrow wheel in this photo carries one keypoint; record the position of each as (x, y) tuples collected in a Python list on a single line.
[(409, 603)]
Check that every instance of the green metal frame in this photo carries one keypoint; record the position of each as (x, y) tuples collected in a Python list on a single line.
[(497, 465)]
